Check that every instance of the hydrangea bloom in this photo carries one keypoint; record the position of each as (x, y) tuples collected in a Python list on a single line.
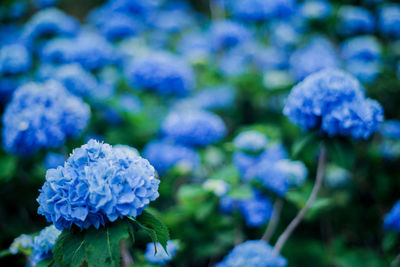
[(333, 101), (183, 19), (193, 128), (161, 257), (256, 210), (43, 244), (42, 116), (392, 219), (252, 253), (53, 160), (284, 33), (258, 10), (164, 156), (296, 171), (336, 176), (250, 141), (21, 242), (125, 151), (355, 20), (272, 176), (163, 73), (228, 34), (129, 103), (14, 59), (117, 25), (137, 7), (365, 71), (391, 129), (389, 20), (58, 50), (316, 9), (50, 21), (362, 48), (318, 54), (76, 79), (96, 185), (194, 46)]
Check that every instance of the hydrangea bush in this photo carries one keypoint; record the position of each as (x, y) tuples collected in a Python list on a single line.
[(199, 133)]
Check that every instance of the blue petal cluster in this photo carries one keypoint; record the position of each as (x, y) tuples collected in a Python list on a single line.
[(228, 34), (53, 160), (365, 48), (389, 20), (50, 21), (163, 73), (256, 210), (14, 59), (316, 9), (391, 129), (355, 20), (318, 54), (161, 257), (250, 141), (164, 155), (96, 185), (43, 244), (76, 79), (21, 242), (252, 253), (333, 101), (193, 128), (42, 116), (259, 10), (392, 219)]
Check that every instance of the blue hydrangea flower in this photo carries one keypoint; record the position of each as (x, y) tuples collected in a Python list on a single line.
[(391, 129), (193, 128), (76, 79), (58, 51), (125, 151), (316, 9), (228, 34), (252, 253), (53, 160), (296, 171), (161, 257), (137, 7), (183, 19), (272, 176), (117, 25), (44, 3), (129, 103), (389, 20), (163, 73), (256, 210), (390, 149), (42, 116), (284, 33), (14, 59), (43, 244), (250, 141), (96, 185), (318, 54), (365, 71), (21, 242), (336, 176), (355, 20), (366, 48), (50, 21), (194, 46), (164, 155), (258, 10), (392, 219), (333, 101)]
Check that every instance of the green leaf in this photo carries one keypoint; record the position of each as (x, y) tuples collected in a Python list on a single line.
[(91, 247), (154, 227), (341, 152), (45, 263), (307, 141)]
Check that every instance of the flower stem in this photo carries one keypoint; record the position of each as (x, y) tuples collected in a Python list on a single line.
[(273, 222), (296, 221)]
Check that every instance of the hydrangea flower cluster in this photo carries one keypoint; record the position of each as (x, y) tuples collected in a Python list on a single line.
[(50, 21), (252, 253), (228, 34), (21, 242), (43, 244), (163, 73), (392, 219), (42, 116), (193, 128), (334, 102), (14, 59), (318, 54), (391, 129), (161, 257), (53, 160), (250, 141), (256, 209), (96, 185), (389, 20), (164, 155), (355, 20)]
